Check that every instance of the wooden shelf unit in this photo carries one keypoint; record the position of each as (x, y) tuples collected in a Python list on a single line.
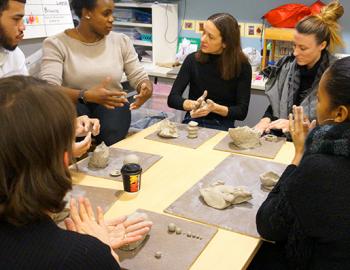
[(275, 34)]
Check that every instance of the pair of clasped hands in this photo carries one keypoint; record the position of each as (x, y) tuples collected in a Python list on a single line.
[(200, 107)]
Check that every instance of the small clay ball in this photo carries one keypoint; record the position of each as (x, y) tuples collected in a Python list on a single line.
[(189, 234), (171, 227), (158, 254), (178, 230), (115, 173), (132, 158)]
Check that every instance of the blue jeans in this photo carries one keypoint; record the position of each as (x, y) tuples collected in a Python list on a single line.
[(221, 124), (115, 123)]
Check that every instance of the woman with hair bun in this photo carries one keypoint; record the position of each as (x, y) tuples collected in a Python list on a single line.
[(294, 79)]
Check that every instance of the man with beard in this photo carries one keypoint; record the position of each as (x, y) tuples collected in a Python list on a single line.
[(12, 60)]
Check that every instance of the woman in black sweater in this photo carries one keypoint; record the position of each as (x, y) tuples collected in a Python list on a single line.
[(220, 72), (37, 133), (307, 213)]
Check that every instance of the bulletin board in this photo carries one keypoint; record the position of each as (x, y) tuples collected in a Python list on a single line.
[(46, 18)]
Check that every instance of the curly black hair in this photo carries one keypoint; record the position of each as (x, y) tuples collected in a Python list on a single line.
[(4, 4), (78, 5)]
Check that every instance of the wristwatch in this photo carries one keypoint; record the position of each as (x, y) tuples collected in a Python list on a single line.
[(81, 96)]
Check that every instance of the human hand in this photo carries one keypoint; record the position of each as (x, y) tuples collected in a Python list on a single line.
[(144, 94), (205, 110), (299, 128), (262, 125), (80, 148), (282, 124), (108, 98), (201, 99), (190, 104), (84, 124), (83, 221), (123, 232)]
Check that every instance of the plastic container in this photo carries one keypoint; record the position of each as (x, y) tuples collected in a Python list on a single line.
[(142, 16), (130, 32), (146, 37), (124, 15)]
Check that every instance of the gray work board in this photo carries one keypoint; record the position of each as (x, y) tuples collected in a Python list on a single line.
[(179, 251), (116, 158), (204, 134), (235, 171), (265, 150), (103, 197)]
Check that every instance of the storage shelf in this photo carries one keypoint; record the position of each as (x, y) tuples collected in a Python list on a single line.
[(142, 43), (132, 24), (136, 5)]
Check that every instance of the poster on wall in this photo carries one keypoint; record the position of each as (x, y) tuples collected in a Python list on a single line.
[(45, 18)]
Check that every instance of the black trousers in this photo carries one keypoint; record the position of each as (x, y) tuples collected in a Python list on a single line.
[(115, 123)]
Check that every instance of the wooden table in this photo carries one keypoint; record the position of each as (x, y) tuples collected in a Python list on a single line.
[(165, 181)]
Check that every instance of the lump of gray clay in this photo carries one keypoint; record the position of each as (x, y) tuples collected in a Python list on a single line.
[(99, 158), (171, 227), (136, 244), (167, 129), (131, 158), (269, 179), (245, 137), (221, 196)]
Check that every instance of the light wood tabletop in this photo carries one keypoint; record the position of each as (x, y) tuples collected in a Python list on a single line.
[(178, 170)]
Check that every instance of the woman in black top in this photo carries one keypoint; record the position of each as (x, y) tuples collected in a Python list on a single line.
[(307, 213), (219, 72), (37, 133), (294, 79)]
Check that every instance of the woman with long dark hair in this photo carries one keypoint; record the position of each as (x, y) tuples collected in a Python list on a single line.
[(218, 74)]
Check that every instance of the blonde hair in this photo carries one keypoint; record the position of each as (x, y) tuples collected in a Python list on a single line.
[(324, 25)]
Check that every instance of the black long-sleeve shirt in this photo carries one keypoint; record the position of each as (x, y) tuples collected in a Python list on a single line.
[(43, 245), (233, 93), (308, 212)]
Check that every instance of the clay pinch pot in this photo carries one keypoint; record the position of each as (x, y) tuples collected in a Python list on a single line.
[(167, 129), (269, 179), (245, 137), (270, 138)]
